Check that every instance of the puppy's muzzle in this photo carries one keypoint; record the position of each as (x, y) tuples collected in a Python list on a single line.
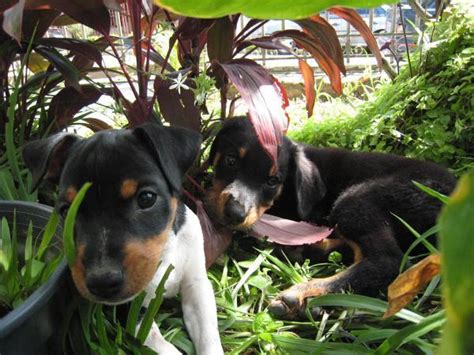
[(105, 284), (234, 212)]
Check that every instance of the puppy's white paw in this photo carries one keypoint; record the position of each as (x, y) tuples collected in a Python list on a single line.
[(156, 342)]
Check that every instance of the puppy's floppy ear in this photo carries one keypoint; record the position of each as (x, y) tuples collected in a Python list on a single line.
[(45, 158), (174, 148), (310, 188)]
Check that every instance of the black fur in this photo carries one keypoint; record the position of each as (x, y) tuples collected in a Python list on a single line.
[(358, 194)]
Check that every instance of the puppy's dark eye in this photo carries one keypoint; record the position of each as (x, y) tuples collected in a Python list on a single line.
[(146, 199), (272, 181), (230, 160)]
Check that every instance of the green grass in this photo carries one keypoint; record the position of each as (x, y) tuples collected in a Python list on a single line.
[(247, 278)]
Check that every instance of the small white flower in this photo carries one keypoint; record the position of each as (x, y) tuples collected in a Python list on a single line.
[(179, 83)]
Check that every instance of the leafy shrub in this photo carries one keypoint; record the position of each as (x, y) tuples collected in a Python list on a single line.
[(429, 115)]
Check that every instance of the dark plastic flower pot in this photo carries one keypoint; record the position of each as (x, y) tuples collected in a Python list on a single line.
[(36, 325)]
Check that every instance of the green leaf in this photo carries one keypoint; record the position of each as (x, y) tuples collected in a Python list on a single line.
[(274, 9), (411, 332), (48, 234), (6, 242), (361, 303), (457, 248), (62, 64), (101, 330), (68, 233), (133, 313), (429, 191), (153, 307), (29, 242), (260, 281)]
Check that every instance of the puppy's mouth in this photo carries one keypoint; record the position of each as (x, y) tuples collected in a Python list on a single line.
[(114, 301)]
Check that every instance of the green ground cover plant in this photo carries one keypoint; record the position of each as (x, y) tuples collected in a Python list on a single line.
[(26, 261), (428, 114)]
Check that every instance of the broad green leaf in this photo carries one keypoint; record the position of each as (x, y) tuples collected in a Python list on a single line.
[(274, 9), (457, 250), (68, 232)]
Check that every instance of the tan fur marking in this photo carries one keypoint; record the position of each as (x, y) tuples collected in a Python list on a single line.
[(242, 152), (128, 188), (273, 170), (216, 159), (328, 245), (217, 198), (71, 193), (142, 257), (356, 250), (78, 272)]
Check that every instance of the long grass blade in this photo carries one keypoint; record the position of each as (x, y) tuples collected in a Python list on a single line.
[(153, 307), (48, 234), (411, 332), (68, 232), (362, 303)]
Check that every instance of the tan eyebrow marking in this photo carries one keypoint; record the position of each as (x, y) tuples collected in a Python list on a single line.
[(71, 193), (128, 188)]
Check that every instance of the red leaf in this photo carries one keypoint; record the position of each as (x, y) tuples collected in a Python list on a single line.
[(266, 42), (351, 16), (85, 62), (220, 39), (309, 90), (92, 13), (94, 124), (265, 99), (287, 232), (37, 22), (319, 53), (216, 238), (318, 28), (68, 102), (177, 109), (190, 28), (138, 112)]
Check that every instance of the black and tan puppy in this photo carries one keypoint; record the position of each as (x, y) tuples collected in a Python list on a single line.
[(358, 194), (131, 219)]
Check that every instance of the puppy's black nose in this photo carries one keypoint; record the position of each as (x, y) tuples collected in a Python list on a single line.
[(234, 211), (105, 284)]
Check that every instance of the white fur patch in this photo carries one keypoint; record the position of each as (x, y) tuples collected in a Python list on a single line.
[(246, 196), (185, 251)]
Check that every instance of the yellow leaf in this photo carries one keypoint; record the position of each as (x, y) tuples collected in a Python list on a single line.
[(408, 284), (37, 63)]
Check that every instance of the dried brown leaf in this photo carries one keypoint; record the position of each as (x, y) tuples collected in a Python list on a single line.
[(408, 284)]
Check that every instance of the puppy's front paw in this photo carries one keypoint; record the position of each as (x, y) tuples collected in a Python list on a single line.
[(291, 303), (156, 342), (287, 305)]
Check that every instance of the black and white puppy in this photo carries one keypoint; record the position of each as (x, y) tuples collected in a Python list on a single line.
[(131, 219), (360, 195)]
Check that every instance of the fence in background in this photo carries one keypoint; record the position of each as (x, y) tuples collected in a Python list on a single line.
[(385, 22)]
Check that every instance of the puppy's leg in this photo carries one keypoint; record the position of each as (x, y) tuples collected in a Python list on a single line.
[(377, 257), (200, 314), (156, 342)]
